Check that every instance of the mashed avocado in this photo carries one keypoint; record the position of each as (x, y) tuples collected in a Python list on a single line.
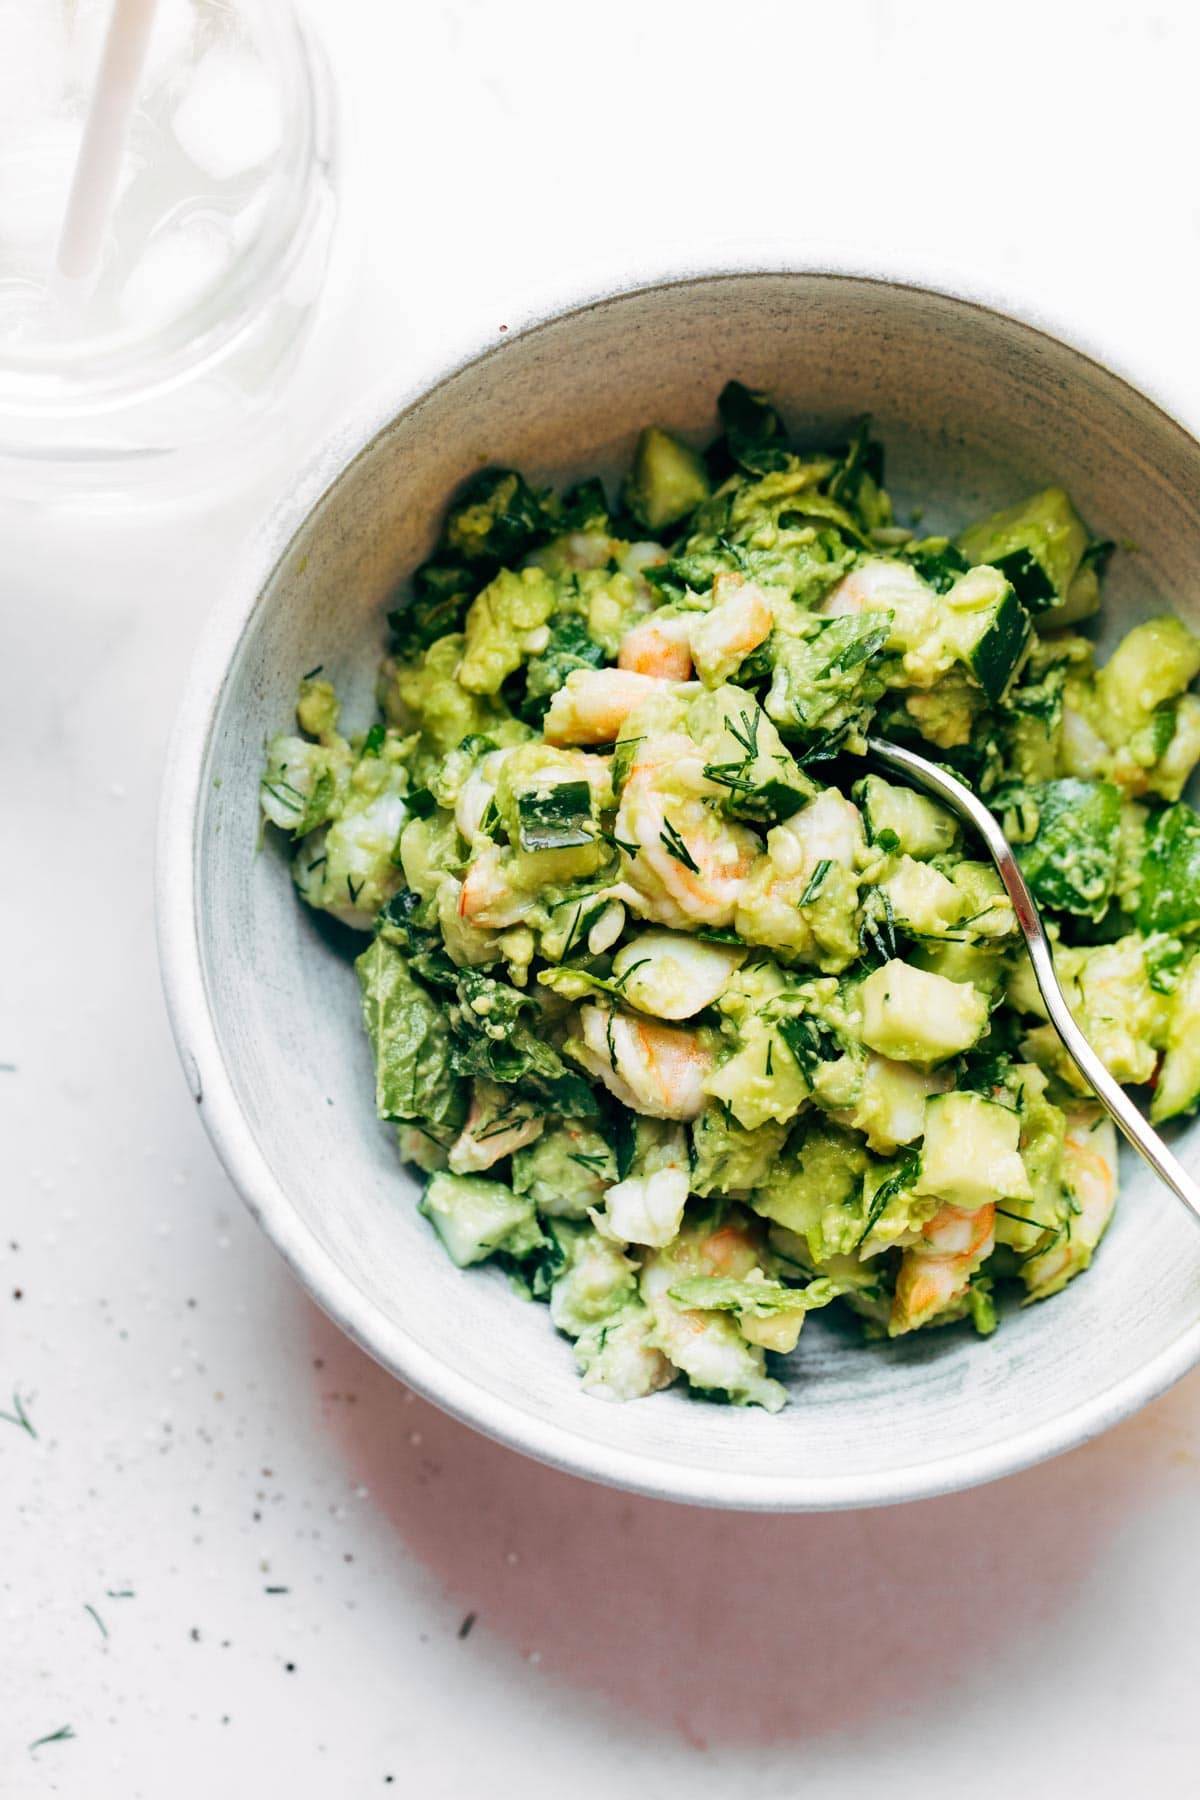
[(691, 1022)]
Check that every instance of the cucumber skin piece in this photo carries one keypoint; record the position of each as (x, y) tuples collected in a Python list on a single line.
[(1071, 864), (668, 480), (1038, 545), (998, 654), (1170, 888)]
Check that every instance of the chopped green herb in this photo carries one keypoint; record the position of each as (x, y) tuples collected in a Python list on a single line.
[(671, 841)]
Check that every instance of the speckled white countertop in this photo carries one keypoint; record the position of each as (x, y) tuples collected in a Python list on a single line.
[(237, 1557)]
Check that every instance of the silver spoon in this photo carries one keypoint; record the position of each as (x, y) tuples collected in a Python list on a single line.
[(945, 787)]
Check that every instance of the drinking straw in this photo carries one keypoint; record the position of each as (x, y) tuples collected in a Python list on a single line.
[(102, 148)]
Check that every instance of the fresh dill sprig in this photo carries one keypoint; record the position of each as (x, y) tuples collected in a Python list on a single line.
[(18, 1416), (672, 842), (815, 881), (53, 1737), (747, 737)]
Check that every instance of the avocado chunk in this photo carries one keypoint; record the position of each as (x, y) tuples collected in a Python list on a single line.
[(970, 1155), (917, 1017), (1037, 545), (1151, 665), (667, 481)]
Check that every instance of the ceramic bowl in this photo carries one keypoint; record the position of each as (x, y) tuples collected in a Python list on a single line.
[(975, 408)]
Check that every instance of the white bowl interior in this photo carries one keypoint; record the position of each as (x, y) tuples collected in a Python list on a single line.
[(974, 409)]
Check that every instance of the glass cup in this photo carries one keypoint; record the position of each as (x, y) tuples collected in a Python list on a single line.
[(174, 361)]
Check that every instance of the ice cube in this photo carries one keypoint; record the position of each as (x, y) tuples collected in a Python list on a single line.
[(182, 261), (230, 120)]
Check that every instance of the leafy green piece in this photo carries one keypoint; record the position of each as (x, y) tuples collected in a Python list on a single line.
[(937, 561), (409, 923), (494, 1035), (895, 1184), (436, 607), (757, 1299), (585, 507), (495, 520), (810, 1041), (415, 1077), (754, 432), (857, 482), (570, 647), (556, 818)]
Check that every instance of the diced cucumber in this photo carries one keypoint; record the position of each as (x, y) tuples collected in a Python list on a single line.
[(667, 481), (922, 900), (918, 1017), (1038, 545), (958, 960), (475, 1217), (988, 628), (1071, 864), (1178, 1087), (1170, 888), (970, 1155), (555, 818), (890, 1108), (896, 818)]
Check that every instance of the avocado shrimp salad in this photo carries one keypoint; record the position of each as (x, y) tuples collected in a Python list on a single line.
[(691, 1022)]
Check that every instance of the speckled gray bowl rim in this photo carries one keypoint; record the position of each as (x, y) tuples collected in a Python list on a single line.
[(196, 1036)]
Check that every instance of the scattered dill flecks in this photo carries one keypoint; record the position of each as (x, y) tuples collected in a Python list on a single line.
[(119, 1593), (53, 1737), (89, 1608), (467, 1625), (277, 1590), (313, 673), (18, 1416)]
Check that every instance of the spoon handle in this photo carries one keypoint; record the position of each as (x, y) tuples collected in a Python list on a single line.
[(944, 786)]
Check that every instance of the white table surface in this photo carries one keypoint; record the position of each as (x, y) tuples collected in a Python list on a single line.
[(282, 1548)]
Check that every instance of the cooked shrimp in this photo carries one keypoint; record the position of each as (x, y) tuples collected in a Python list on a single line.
[(708, 1346), (654, 1069), (829, 831), (690, 864), (672, 976), (936, 1271), (476, 792), (1090, 1181), (497, 1124), (593, 704), (881, 585), (740, 620), (660, 645), (644, 1209), (486, 897)]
